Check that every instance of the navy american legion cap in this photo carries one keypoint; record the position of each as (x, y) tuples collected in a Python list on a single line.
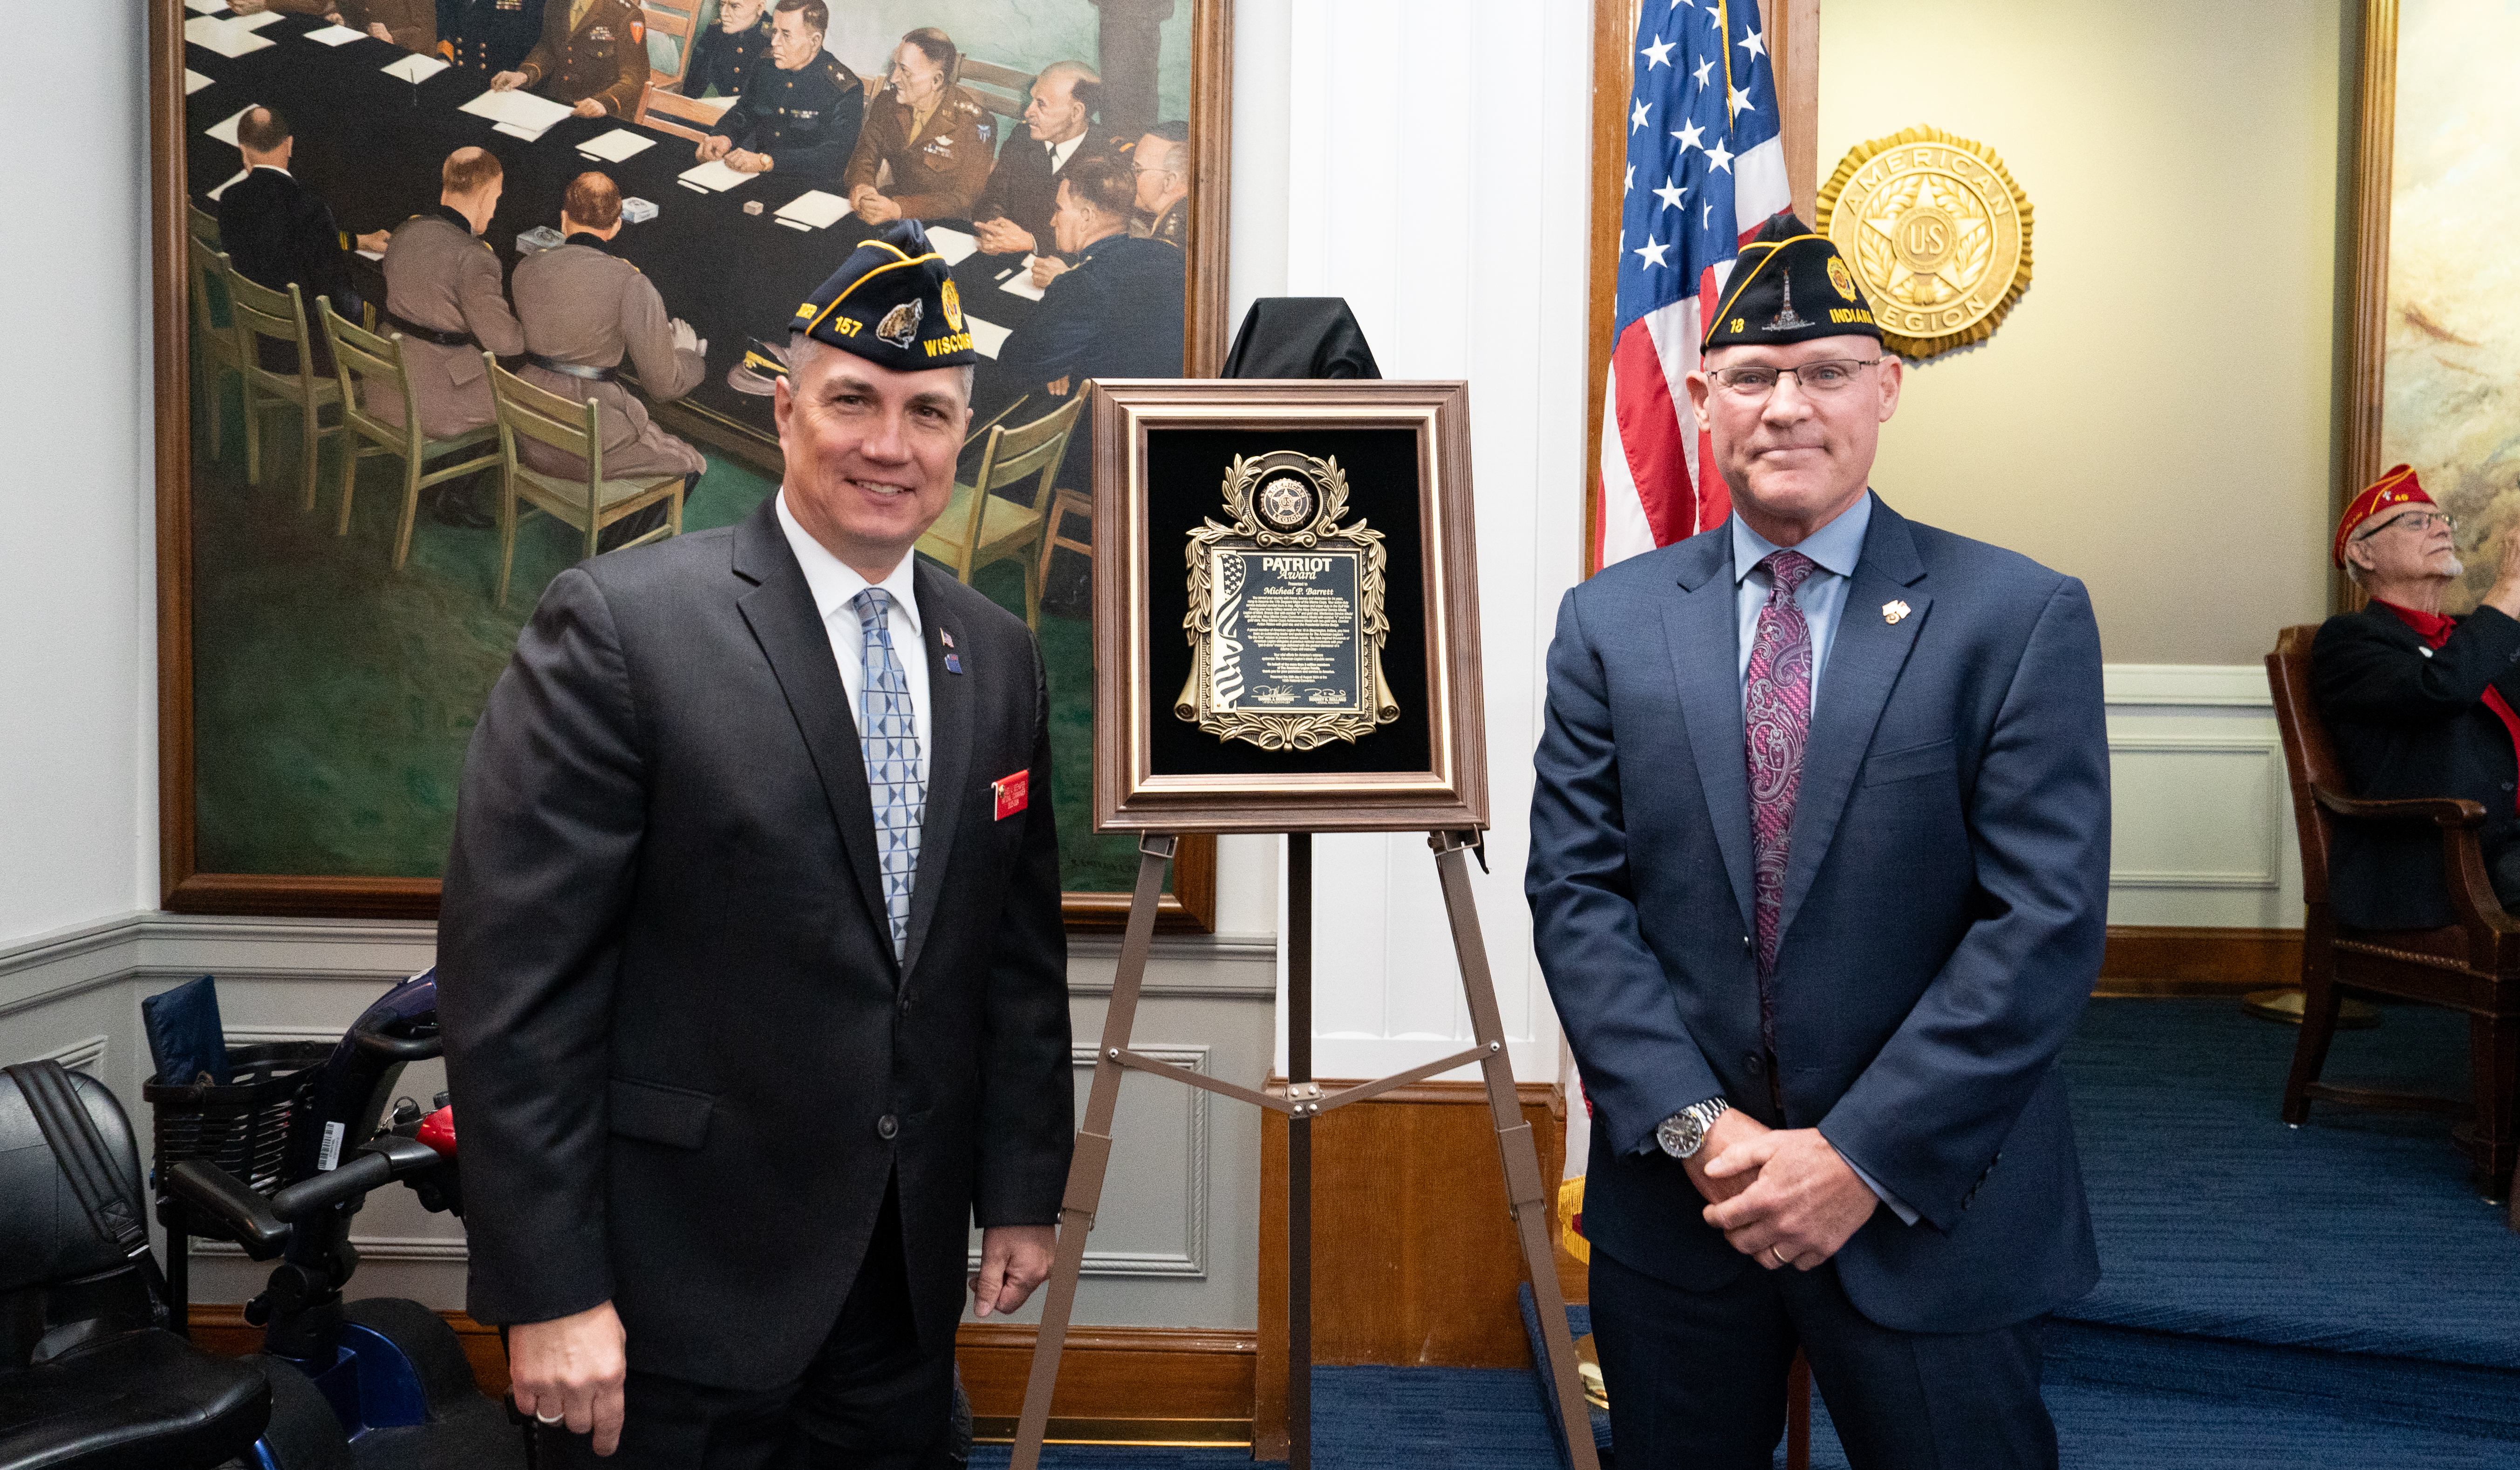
[(1790, 286), (891, 303)]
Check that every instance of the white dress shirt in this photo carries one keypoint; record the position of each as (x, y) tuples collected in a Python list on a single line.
[(833, 582), (1061, 152)]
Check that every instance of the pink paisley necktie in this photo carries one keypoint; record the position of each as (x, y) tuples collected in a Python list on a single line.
[(1777, 714)]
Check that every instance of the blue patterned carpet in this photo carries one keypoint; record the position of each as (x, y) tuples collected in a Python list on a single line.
[(2328, 1298)]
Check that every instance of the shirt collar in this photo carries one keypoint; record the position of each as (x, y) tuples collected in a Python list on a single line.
[(1061, 152), (1836, 546), (834, 581)]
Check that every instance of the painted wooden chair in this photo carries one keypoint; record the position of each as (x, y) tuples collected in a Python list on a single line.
[(588, 502), (362, 358), (2471, 965), (213, 327), (979, 527), (259, 314)]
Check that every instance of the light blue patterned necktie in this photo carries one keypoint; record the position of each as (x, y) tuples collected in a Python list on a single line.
[(889, 742)]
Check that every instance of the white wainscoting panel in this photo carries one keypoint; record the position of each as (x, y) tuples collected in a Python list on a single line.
[(2202, 816)]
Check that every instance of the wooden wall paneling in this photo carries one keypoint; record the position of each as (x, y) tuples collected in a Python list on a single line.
[(1415, 1259), (1116, 1385), (2160, 960)]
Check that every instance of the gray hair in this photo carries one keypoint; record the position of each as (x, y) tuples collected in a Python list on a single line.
[(802, 348)]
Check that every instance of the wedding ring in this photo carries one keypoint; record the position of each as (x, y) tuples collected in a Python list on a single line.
[(1780, 1255), (549, 1418)]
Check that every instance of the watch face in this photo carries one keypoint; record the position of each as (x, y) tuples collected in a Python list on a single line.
[(1681, 1133)]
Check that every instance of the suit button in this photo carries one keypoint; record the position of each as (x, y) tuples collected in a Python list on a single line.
[(1746, 946), (886, 1126), (1755, 1062), (2506, 785)]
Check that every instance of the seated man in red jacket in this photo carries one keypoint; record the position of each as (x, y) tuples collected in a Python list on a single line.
[(2419, 704)]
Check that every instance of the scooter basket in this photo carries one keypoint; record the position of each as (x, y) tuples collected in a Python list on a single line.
[(241, 1125)]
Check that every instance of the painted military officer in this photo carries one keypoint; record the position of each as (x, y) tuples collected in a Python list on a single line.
[(443, 295), (799, 115), (722, 59), (584, 309), (1013, 215), (593, 54), (488, 35), (1162, 162), (933, 136)]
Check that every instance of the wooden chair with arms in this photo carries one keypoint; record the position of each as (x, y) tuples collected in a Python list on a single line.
[(672, 113), (359, 354), (256, 311), (978, 527), (2471, 965), (587, 504), (1054, 537), (680, 22), (1001, 90)]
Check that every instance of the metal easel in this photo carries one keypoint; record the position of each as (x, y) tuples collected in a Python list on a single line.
[(1304, 1101)]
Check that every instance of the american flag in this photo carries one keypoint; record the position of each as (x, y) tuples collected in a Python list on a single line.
[(1707, 166)]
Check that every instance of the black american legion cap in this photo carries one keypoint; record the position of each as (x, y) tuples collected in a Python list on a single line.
[(891, 303), (1790, 286)]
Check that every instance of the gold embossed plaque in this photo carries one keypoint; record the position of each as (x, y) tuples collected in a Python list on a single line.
[(1938, 231), (1285, 617)]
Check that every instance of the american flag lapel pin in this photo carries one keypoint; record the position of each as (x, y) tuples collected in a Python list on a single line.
[(953, 662), (1893, 610)]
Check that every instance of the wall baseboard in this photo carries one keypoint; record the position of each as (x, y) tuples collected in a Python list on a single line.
[(1116, 1385), (2158, 960)]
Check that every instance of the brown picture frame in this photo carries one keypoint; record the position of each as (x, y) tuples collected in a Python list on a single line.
[(185, 887), (1448, 792)]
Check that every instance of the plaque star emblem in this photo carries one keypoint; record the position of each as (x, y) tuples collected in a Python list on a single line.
[(1690, 135), (1657, 55), (1718, 157), (1652, 252), (1639, 120), (1670, 194), (1704, 70), (1753, 43)]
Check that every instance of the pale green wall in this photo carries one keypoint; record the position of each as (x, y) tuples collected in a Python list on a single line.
[(2156, 414)]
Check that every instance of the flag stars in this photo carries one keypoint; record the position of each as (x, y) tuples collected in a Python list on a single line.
[(1657, 55), (1631, 186), (1652, 252), (1740, 101), (1690, 135), (1705, 68), (1639, 119), (1670, 194), (1718, 157), (1753, 43)]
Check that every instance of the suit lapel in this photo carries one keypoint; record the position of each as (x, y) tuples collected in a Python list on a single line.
[(780, 610), (950, 702), (1703, 632), (1863, 663)]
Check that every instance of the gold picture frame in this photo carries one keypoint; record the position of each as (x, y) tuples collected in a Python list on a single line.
[(1163, 450)]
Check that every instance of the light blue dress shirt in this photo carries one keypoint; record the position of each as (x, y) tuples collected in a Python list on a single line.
[(1836, 546)]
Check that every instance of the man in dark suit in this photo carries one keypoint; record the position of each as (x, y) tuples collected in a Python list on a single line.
[(276, 232), (488, 35), (2419, 704), (752, 978), (1013, 215), (1818, 875)]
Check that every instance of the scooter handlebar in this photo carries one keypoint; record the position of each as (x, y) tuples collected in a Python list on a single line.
[(388, 1157)]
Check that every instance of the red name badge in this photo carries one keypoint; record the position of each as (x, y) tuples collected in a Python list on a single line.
[(1014, 794)]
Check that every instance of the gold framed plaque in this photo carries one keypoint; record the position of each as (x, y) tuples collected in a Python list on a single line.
[(1286, 618), (1286, 607)]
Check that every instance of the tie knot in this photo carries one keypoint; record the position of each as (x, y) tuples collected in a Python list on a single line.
[(1789, 569), (874, 601)]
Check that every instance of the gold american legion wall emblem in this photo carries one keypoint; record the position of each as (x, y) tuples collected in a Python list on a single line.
[(1939, 234), (1286, 618)]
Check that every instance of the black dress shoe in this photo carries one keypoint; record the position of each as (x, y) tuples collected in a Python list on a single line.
[(456, 503)]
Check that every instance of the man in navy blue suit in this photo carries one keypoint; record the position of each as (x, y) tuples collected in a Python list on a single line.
[(1819, 876)]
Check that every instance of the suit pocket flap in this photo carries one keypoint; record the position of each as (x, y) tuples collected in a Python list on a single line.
[(1930, 759), (677, 1116)]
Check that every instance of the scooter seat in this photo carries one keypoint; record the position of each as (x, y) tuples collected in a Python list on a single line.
[(134, 1401)]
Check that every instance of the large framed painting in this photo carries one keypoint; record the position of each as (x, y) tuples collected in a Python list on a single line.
[(358, 201), (2435, 345)]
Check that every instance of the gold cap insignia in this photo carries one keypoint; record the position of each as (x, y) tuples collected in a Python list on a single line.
[(1893, 610), (1838, 277), (953, 306)]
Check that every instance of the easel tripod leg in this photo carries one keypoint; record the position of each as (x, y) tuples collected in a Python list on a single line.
[(1092, 1160), (1524, 1186)]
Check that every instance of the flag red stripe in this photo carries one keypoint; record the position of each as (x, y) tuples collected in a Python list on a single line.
[(1650, 435)]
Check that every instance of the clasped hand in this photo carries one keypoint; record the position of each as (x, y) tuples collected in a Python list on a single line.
[(1782, 1197)]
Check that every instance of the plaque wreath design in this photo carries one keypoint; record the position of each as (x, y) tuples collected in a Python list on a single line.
[(1304, 499)]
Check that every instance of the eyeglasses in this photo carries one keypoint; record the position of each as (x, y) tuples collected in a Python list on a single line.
[(1818, 379), (2422, 521)]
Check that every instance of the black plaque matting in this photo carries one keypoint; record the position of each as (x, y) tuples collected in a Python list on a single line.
[(1185, 474)]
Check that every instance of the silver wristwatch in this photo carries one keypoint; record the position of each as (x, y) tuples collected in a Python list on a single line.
[(1684, 1132)]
